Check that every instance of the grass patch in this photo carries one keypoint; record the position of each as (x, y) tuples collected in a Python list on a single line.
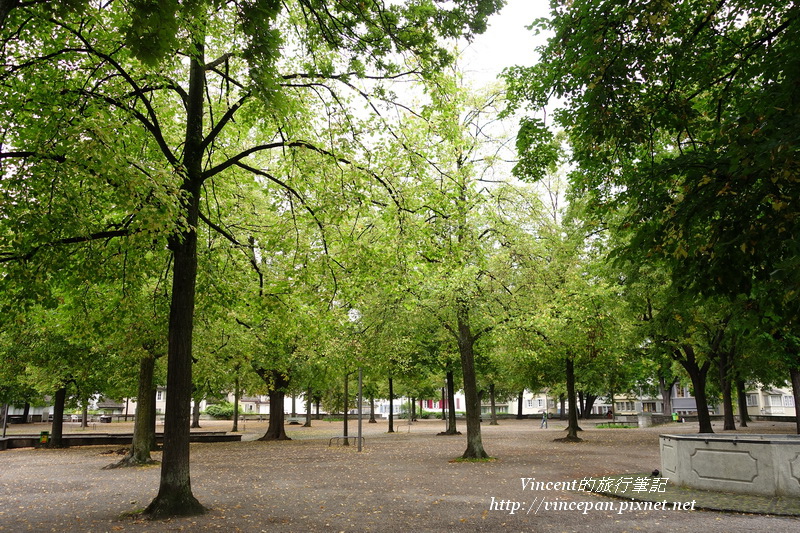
[(615, 425), (473, 460)]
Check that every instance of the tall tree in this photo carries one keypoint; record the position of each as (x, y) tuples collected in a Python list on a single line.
[(191, 78), (683, 119)]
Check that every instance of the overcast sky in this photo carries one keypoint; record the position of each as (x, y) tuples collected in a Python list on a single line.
[(507, 42)]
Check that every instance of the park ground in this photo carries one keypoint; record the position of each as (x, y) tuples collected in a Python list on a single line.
[(406, 481)]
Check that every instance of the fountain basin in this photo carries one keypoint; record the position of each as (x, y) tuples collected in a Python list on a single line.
[(767, 465)]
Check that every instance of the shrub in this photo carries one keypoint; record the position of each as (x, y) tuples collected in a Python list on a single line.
[(220, 411)]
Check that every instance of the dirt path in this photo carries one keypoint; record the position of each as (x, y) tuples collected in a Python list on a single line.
[(400, 482)]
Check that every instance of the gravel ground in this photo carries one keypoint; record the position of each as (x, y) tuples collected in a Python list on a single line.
[(400, 482)]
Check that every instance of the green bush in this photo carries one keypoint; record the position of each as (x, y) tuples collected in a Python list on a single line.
[(220, 411)]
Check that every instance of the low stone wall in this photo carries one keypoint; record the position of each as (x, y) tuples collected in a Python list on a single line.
[(753, 464), (97, 439)]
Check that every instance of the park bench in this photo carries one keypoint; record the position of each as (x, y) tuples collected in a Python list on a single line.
[(295, 420), (338, 439)]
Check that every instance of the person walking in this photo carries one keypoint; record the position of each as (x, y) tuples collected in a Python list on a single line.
[(544, 420)]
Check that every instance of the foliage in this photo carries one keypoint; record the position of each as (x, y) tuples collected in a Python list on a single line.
[(220, 411), (683, 117)]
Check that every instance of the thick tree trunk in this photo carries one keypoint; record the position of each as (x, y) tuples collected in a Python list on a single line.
[(741, 397), (57, 429), (666, 394), (725, 367), (697, 373), (144, 431), (466, 347), (26, 411), (175, 496), (196, 413), (391, 405), (278, 384), (572, 425), (795, 376), (492, 402), (84, 414), (587, 402), (372, 410), (519, 405)]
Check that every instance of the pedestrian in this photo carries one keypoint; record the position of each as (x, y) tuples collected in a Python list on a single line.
[(544, 420)]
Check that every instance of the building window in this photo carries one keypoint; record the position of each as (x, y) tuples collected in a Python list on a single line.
[(539, 402), (159, 396), (530, 403), (788, 401), (773, 400), (649, 407), (625, 406), (752, 400)]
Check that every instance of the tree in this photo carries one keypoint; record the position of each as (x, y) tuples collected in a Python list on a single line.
[(460, 257), (683, 121), (129, 67)]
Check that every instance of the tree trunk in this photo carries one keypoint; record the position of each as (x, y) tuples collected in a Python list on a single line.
[(196, 413), (346, 402), (587, 402), (493, 404), (278, 383), (236, 395), (666, 394), (175, 496), (741, 397), (84, 414), (144, 431), (57, 429), (611, 394), (724, 365), (26, 410), (294, 405), (391, 405), (795, 375), (562, 408), (519, 405), (451, 406), (572, 426), (317, 416), (697, 373), (466, 347), (308, 409), (372, 410)]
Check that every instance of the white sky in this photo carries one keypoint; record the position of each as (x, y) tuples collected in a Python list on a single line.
[(506, 42)]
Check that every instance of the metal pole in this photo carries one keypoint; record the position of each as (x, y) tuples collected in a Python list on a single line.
[(360, 404)]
